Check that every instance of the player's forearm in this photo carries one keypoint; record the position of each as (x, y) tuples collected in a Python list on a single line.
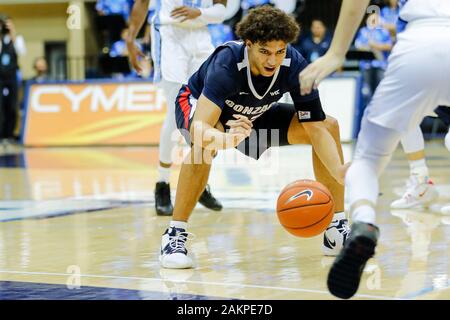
[(137, 17), (324, 145), (212, 15), (351, 14)]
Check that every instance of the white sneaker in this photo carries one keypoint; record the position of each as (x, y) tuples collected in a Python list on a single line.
[(445, 209), (335, 237), (173, 253), (417, 194)]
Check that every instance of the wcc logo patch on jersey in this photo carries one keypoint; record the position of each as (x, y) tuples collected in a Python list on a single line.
[(275, 93), (304, 115)]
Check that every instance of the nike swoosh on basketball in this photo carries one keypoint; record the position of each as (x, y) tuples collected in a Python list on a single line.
[(308, 193)]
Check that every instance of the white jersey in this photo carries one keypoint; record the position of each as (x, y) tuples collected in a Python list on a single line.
[(411, 10), (165, 7), (178, 49)]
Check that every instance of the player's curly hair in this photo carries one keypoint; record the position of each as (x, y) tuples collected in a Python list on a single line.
[(266, 23)]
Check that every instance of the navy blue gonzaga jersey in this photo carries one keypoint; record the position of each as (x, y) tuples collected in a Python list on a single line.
[(225, 79)]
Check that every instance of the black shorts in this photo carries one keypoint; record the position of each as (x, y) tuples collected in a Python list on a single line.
[(269, 130)]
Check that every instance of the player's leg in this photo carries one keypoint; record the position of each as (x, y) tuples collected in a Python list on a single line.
[(199, 53), (191, 183), (163, 58), (166, 145), (163, 203), (373, 151), (338, 230), (172, 65), (420, 189)]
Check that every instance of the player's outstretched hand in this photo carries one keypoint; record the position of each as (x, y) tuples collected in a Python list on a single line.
[(133, 55), (185, 13), (313, 74)]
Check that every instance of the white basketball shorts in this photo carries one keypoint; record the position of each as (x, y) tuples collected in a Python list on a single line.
[(178, 52), (417, 79)]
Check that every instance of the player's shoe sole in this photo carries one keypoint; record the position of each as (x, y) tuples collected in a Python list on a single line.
[(176, 261), (345, 274)]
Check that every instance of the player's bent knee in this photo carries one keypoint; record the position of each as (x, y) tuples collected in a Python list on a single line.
[(332, 125)]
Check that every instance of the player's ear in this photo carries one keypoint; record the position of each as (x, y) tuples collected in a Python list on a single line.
[(248, 43)]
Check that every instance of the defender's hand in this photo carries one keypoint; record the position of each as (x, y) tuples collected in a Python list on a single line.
[(133, 55), (185, 13), (313, 74)]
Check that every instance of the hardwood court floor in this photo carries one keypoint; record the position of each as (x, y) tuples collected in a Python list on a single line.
[(79, 223)]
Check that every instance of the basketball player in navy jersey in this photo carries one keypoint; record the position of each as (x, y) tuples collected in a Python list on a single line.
[(232, 100), (416, 81)]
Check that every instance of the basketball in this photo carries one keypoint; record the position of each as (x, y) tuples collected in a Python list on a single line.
[(305, 208)]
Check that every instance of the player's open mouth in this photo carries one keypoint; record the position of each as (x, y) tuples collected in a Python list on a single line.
[(268, 69)]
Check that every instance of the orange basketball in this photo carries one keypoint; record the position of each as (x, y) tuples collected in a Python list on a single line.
[(305, 208)]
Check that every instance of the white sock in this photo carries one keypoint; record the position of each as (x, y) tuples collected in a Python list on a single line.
[(418, 166), (419, 169), (164, 174), (339, 216), (178, 224), (362, 185), (364, 214)]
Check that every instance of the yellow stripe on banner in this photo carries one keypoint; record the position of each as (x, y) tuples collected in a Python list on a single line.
[(100, 131)]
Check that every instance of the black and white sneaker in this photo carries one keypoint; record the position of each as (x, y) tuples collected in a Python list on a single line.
[(335, 236), (174, 254), (163, 203), (345, 274)]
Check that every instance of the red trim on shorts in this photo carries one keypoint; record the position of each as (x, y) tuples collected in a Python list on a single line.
[(185, 105)]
